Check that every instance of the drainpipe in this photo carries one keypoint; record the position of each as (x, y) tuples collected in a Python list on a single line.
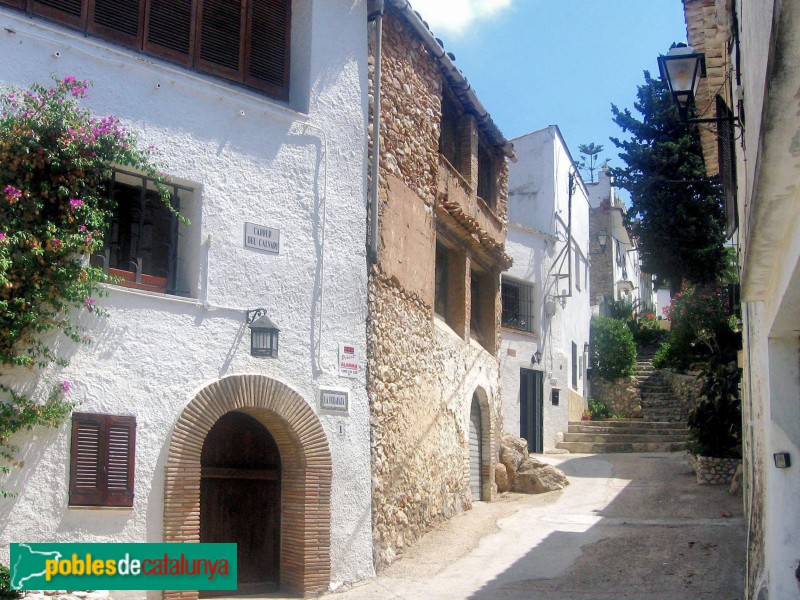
[(375, 9)]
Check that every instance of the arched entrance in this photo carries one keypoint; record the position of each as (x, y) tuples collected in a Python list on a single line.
[(305, 474), (240, 498), (475, 450)]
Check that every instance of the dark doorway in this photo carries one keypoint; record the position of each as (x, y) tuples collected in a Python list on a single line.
[(240, 498), (531, 405)]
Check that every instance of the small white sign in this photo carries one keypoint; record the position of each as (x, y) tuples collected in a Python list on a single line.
[(349, 361), (333, 400), (261, 237)]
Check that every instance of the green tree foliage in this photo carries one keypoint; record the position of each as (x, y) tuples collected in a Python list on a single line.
[(676, 211), (613, 350), (590, 163)]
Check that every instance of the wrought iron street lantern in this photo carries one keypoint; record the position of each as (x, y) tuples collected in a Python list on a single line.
[(602, 239), (263, 334), (683, 68), (537, 357)]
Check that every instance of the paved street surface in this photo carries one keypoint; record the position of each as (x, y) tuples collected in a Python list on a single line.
[(628, 526)]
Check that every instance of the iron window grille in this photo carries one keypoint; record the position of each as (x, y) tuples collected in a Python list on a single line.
[(518, 305), (246, 41), (726, 153), (142, 243)]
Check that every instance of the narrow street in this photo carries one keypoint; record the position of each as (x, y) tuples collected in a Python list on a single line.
[(628, 526)]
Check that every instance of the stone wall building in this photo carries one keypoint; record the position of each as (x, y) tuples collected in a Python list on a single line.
[(260, 140), (434, 303), (545, 294), (616, 272), (753, 76)]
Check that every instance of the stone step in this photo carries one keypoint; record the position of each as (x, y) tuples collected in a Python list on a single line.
[(624, 423), (666, 429), (619, 438), (595, 448)]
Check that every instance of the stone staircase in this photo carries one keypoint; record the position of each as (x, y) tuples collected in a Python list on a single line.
[(660, 429), (624, 435)]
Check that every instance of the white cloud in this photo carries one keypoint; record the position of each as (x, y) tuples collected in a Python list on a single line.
[(455, 16)]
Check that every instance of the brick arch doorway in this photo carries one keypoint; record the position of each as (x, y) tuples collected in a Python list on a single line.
[(305, 462), (482, 446)]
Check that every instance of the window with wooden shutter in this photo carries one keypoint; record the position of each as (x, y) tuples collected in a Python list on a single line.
[(102, 460), (71, 12), (268, 51), (118, 20), (169, 29), (246, 41)]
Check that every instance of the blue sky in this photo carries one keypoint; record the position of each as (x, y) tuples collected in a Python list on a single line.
[(535, 63)]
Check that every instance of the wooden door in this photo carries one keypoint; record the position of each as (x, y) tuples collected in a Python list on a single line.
[(531, 408), (240, 498), (475, 453)]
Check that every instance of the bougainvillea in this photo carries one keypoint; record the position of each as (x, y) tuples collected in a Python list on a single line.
[(54, 212)]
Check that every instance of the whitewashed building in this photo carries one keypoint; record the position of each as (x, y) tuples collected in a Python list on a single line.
[(262, 149), (752, 62), (545, 294)]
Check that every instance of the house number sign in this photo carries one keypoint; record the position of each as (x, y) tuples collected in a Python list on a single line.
[(261, 237)]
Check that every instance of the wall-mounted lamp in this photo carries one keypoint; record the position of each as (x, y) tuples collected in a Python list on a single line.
[(263, 333), (682, 68), (602, 241), (586, 347), (782, 460), (537, 357)]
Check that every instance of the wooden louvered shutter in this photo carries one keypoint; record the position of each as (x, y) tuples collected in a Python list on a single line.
[(221, 46), (170, 29), (15, 3), (71, 12), (117, 20), (102, 460), (268, 43)]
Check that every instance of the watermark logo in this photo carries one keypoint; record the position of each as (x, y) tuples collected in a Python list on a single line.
[(123, 566)]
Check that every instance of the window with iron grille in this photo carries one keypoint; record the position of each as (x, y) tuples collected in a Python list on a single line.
[(726, 153), (102, 460), (517, 298), (142, 245), (441, 281), (246, 41)]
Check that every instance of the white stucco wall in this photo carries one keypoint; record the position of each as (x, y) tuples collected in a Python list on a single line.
[(249, 158), (539, 195)]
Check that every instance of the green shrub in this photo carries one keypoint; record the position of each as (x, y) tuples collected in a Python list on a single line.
[(715, 426), (613, 350), (6, 593), (599, 410), (661, 357)]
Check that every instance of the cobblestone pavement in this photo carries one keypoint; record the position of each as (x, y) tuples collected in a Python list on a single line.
[(629, 526)]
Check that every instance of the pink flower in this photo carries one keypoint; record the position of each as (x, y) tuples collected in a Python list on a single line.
[(12, 193), (82, 228), (56, 242), (75, 203), (66, 386), (2, 236), (70, 79), (89, 302)]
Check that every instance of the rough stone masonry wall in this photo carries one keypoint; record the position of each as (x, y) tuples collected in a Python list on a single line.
[(420, 385), (421, 375), (623, 396), (602, 269)]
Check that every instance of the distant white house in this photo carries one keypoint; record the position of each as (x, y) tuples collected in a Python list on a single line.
[(545, 294), (616, 272)]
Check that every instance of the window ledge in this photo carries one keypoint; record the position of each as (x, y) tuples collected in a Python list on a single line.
[(440, 323), (150, 294), (530, 334), (110, 508)]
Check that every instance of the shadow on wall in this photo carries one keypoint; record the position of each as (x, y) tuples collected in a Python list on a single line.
[(683, 553)]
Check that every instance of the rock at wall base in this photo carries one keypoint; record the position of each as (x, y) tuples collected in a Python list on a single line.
[(536, 477)]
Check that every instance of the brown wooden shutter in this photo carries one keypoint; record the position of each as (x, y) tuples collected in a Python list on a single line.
[(117, 20), (170, 29), (71, 12), (102, 460), (269, 37), (15, 3), (221, 45)]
